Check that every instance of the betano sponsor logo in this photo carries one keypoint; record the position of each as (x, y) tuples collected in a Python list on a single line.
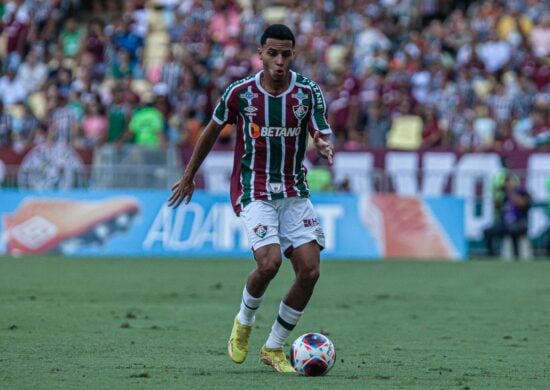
[(264, 131)]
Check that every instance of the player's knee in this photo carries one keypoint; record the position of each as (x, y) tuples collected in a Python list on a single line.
[(309, 275), (269, 266)]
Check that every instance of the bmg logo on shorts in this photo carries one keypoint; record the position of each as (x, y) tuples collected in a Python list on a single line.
[(309, 222)]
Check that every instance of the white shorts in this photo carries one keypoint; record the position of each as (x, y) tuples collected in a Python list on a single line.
[(289, 222)]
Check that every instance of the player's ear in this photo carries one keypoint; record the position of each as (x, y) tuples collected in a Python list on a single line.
[(260, 51)]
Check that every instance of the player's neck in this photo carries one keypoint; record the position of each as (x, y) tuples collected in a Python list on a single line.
[(274, 87)]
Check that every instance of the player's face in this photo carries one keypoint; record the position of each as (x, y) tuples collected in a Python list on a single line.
[(276, 55)]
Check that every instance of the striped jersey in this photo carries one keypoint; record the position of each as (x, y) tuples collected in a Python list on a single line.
[(272, 136)]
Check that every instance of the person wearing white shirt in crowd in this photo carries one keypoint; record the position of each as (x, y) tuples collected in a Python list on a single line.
[(540, 37), (495, 53), (12, 90), (32, 73)]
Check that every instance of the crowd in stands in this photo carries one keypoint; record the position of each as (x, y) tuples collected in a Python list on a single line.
[(466, 75)]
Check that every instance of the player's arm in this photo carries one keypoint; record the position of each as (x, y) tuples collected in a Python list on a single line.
[(184, 188), (319, 127)]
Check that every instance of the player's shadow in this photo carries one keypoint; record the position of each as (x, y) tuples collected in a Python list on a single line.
[(254, 371)]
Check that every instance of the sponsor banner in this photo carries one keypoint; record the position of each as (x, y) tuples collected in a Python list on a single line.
[(119, 223)]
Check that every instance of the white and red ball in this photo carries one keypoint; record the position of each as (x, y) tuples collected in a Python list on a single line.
[(312, 354)]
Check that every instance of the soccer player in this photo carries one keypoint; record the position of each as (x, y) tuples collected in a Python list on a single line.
[(274, 110)]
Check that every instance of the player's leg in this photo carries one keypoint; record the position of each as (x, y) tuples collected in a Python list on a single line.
[(305, 260), (268, 260), (301, 238), (261, 222), (306, 263)]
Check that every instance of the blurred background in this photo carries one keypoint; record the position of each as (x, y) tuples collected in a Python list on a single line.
[(433, 98)]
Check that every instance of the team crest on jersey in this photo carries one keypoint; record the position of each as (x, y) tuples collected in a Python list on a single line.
[(260, 230), (300, 111)]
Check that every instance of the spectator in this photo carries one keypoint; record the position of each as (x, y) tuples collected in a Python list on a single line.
[(128, 96), (146, 128), (469, 141), (450, 59), (504, 140), (127, 40), (16, 27), (123, 67), (511, 218), (523, 129), (540, 36), (64, 123), (12, 90), (32, 73), (24, 129), (190, 130), (500, 104), (485, 126), (94, 124), (5, 126), (76, 103), (171, 75), (495, 53), (64, 81), (343, 106), (118, 114), (225, 23), (433, 134), (71, 38), (319, 179), (95, 42), (377, 127)]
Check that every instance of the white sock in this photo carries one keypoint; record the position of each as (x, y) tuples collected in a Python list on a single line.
[(283, 325), (249, 305)]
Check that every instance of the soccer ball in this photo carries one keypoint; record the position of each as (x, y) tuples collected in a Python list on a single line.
[(312, 354)]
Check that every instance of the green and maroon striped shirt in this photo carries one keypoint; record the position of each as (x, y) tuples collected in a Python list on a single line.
[(272, 136)]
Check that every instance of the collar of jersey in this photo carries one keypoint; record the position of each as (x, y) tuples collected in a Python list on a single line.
[(290, 86)]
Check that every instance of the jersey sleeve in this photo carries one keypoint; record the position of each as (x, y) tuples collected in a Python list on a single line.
[(318, 120), (227, 107)]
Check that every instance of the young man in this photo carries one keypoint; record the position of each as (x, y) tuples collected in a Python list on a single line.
[(273, 111)]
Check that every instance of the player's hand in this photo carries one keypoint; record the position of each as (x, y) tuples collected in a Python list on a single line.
[(182, 190), (324, 146)]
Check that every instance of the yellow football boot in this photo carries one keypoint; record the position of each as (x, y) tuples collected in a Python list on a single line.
[(237, 347), (275, 357)]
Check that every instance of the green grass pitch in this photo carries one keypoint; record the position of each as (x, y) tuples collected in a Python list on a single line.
[(164, 323)]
